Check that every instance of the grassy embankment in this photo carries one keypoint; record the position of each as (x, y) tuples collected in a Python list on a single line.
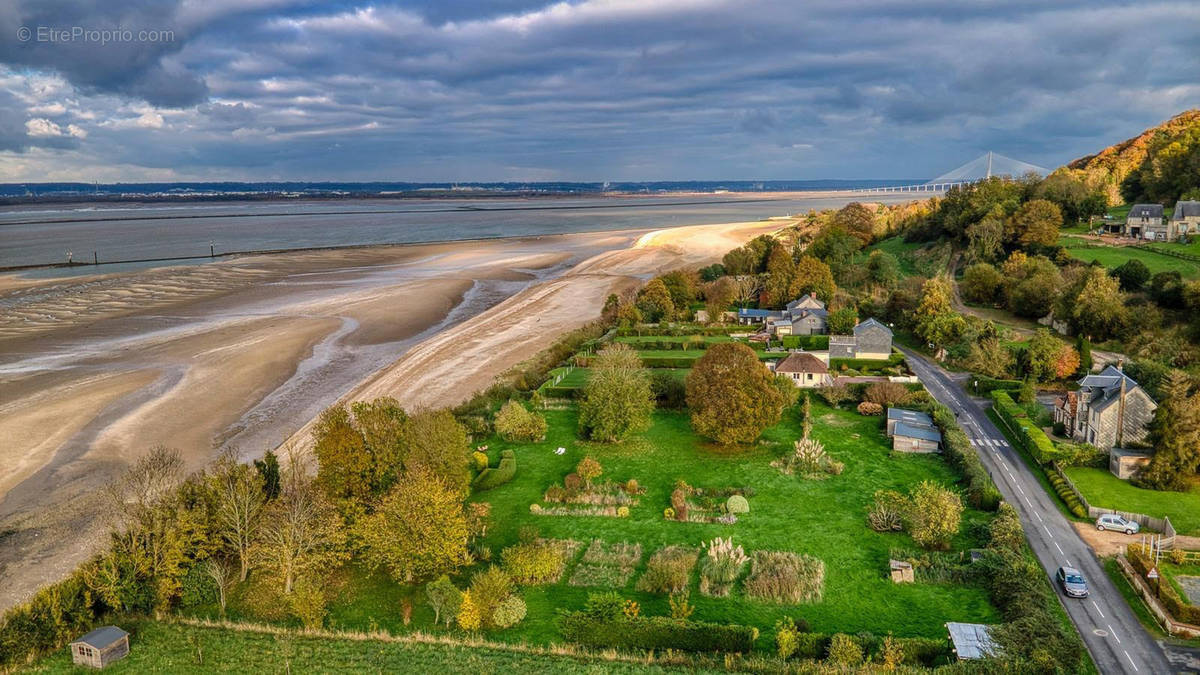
[(1105, 490)]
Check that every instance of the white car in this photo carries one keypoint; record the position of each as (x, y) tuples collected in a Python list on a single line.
[(1112, 521)]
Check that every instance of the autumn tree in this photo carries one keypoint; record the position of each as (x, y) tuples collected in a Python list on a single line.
[(347, 468), (654, 302), (981, 283), (1098, 311), (842, 320), (781, 270), (934, 516), (1175, 434), (1041, 355), (435, 441), (813, 276), (731, 394), (683, 287), (718, 296), (989, 357), (858, 220), (589, 470), (617, 399), (239, 507), (302, 534), (419, 530), (1066, 362), (1031, 284), (936, 321), (1036, 223), (515, 422)]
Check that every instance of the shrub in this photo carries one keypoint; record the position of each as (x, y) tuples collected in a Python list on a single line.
[(669, 570), (469, 618), (632, 487), (516, 423), (669, 513), (306, 602), (887, 394), (935, 515), (622, 511), (490, 478), (444, 598), (786, 637), (658, 632), (844, 651), (588, 469), (887, 514), (510, 612), (572, 482), (481, 460), (197, 587), (532, 563), (1005, 531), (721, 566), (737, 504), (488, 589), (870, 409), (809, 460), (784, 577)]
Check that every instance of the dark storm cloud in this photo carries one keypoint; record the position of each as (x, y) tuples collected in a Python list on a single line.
[(602, 89)]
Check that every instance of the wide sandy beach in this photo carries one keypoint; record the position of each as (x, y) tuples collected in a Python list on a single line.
[(245, 352)]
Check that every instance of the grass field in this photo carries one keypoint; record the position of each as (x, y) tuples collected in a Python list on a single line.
[(897, 247), (579, 376), (824, 518), (178, 648), (1115, 256), (1107, 491)]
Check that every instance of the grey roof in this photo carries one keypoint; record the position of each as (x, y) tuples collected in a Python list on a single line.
[(102, 637), (910, 416), (744, 312), (843, 340), (1186, 209), (801, 313), (1146, 211), (1104, 387), (971, 640), (921, 431), (810, 298), (871, 322)]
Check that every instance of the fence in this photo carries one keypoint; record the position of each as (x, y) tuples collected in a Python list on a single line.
[(1158, 524)]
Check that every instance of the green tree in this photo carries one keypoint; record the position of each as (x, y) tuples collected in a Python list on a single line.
[(781, 270), (445, 599), (302, 534), (883, 268), (1032, 284), (654, 302), (1036, 223), (435, 441), (346, 469), (515, 422), (858, 220), (419, 530), (1098, 311), (731, 394), (990, 358), (936, 321), (1175, 434), (240, 501), (718, 296), (934, 516), (268, 472), (985, 239), (1132, 275), (835, 246), (813, 276), (842, 321), (617, 399), (683, 286), (981, 283), (750, 258)]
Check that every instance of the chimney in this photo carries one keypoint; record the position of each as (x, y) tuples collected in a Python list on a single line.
[(1121, 405)]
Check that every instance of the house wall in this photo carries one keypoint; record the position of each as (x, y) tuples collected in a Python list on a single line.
[(913, 445), (1139, 411), (809, 325), (841, 350), (873, 340)]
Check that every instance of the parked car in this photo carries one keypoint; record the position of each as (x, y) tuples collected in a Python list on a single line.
[(1072, 582), (1112, 521)]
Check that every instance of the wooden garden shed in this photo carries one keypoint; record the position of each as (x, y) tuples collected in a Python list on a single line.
[(100, 647)]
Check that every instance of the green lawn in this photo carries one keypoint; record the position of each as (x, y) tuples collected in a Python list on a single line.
[(176, 648), (897, 247), (824, 518), (1107, 491), (1115, 256), (634, 340), (1171, 572), (579, 376)]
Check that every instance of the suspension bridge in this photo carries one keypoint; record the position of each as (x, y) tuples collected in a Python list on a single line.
[(981, 168)]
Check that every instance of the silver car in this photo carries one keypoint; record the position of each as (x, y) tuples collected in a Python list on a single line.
[(1112, 521), (1072, 582)]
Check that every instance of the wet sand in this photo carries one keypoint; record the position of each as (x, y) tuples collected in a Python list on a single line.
[(244, 353)]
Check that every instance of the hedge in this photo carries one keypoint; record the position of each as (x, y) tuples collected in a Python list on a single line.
[(986, 385), (867, 364), (809, 342), (1066, 494), (982, 492), (1028, 434), (917, 651), (501, 474), (656, 632), (1178, 608)]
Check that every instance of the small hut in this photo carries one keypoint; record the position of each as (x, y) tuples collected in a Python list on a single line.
[(100, 647), (972, 640)]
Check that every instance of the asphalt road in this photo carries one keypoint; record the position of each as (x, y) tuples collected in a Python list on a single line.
[(1117, 641)]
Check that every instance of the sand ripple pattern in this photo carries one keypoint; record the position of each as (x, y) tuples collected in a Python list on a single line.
[(62, 302)]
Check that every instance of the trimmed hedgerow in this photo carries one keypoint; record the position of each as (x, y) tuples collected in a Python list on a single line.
[(1025, 431), (494, 477), (656, 632)]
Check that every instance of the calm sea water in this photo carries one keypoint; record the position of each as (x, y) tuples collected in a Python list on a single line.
[(44, 235)]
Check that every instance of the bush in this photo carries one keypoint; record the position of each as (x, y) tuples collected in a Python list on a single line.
[(481, 460), (532, 563), (658, 632), (515, 423), (784, 577), (844, 651), (669, 391), (887, 394), (935, 515), (669, 570), (887, 513), (488, 590), (197, 587), (721, 566), (1005, 531), (737, 504), (510, 612), (490, 478), (870, 409)]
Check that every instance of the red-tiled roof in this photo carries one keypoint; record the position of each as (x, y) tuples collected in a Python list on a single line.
[(801, 362)]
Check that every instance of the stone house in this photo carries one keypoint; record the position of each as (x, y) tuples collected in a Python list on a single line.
[(805, 369), (1106, 401), (871, 340), (1185, 220), (1145, 221), (806, 316)]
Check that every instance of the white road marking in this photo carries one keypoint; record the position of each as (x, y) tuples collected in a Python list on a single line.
[(1048, 532), (1020, 490), (1112, 632), (1059, 548), (1135, 668), (1039, 516), (1101, 615)]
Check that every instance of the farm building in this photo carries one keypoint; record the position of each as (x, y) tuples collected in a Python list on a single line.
[(805, 369), (911, 417), (100, 647), (915, 438), (1186, 218), (1145, 221)]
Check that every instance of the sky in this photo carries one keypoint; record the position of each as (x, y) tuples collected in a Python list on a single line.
[(592, 90)]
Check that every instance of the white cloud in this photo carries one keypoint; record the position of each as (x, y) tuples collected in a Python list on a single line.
[(40, 127)]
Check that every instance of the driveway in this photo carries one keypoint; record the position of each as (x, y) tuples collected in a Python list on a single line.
[(1116, 640)]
